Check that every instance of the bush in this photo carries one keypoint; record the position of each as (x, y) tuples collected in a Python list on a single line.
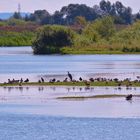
[(50, 39)]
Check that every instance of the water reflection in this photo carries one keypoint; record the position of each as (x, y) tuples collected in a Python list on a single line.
[(54, 90)]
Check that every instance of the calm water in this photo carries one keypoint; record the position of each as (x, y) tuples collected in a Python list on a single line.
[(34, 112), (19, 62), (30, 127)]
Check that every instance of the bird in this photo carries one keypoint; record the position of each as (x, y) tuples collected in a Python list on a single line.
[(66, 80), (138, 77), (42, 80), (80, 79), (129, 97), (91, 80), (70, 76), (53, 80), (27, 80), (21, 80)]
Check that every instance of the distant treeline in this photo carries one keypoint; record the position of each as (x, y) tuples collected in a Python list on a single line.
[(67, 15)]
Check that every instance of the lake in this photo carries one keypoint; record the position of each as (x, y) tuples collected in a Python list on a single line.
[(35, 113), (17, 62)]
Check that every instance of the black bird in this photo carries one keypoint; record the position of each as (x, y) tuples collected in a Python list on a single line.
[(21, 80), (129, 97), (70, 76), (42, 80), (27, 80), (53, 80), (80, 79), (66, 80), (91, 80), (138, 77)]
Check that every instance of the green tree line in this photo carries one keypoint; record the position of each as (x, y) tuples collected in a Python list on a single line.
[(67, 14), (99, 36)]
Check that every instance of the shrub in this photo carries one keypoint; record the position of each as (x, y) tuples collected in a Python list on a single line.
[(51, 38)]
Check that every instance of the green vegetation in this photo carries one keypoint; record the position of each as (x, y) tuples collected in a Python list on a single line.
[(67, 14), (76, 29), (96, 83), (16, 38), (99, 37), (50, 39), (15, 32)]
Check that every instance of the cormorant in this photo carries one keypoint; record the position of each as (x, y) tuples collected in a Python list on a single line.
[(129, 97), (27, 80), (80, 79), (53, 80)]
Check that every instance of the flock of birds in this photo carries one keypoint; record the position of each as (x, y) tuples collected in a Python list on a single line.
[(87, 83)]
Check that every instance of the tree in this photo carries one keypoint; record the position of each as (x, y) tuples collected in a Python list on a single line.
[(104, 27), (71, 11), (106, 6), (124, 13), (50, 39), (17, 15), (39, 15)]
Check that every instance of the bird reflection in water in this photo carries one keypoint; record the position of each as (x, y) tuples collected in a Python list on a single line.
[(40, 89), (80, 89)]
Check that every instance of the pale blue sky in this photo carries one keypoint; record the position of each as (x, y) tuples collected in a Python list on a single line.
[(52, 5)]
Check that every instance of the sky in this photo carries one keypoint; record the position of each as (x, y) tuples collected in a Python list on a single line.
[(52, 5)]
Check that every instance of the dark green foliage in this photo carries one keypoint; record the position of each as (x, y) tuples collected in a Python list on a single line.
[(38, 16), (17, 15), (133, 49), (51, 38), (68, 14)]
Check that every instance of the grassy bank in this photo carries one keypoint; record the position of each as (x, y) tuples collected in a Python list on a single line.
[(100, 84), (93, 50)]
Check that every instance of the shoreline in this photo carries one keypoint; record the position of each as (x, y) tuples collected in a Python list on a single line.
[(85, 52), (119, 84)]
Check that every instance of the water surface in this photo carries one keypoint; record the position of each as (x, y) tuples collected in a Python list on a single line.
[(43, 101), (17, 62), (36, 127), (36, 113)]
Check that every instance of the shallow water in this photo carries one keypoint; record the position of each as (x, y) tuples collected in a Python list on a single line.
[(17, 62), (43, 101)]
